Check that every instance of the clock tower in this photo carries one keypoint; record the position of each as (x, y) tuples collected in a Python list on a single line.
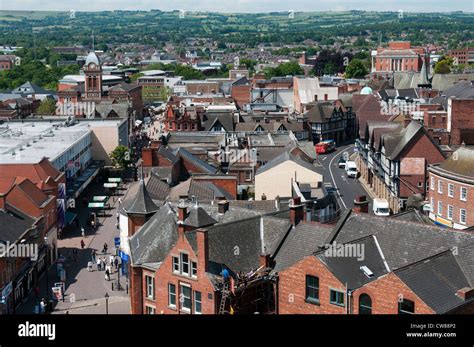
[(93, 78)]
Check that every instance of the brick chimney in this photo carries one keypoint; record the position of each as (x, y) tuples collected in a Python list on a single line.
[(296, 211), (466, 293), (182, 212), (223, 206), (203, 248), (147, 157), (361, 204), (264, 260)]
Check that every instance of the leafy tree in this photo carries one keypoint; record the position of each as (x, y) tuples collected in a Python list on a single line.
[(121, 156), (285, 69), (356, 69), (188, 73), (47, 106), (442, 67)]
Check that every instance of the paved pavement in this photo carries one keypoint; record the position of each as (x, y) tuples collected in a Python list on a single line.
[(348, 188), (85, 291)]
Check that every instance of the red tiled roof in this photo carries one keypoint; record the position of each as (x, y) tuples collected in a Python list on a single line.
[(34, 172)]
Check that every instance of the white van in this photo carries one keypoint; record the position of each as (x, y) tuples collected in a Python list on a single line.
[(381, 207), (351, 169)]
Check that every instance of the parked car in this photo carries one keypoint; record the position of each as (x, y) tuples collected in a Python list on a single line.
[(351, 169), (341, 163), (381, 207)]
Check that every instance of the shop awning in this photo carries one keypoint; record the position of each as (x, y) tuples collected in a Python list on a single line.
[(96, 205), (100, 198), (115, 179)]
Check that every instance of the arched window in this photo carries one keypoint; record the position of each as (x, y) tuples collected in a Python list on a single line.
[(365, 304)]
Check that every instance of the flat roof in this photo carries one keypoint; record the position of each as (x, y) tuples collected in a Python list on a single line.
[(29, 142)]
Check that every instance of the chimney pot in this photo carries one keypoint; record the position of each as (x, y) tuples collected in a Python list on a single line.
[(223, 206)]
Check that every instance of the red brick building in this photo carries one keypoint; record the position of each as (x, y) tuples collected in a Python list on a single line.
[(451, 193), (205, 259), (463, 56), (182, 118), (373, 265), (400, 56)]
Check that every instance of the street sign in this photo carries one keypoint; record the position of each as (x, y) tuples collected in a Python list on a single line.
[(117, 241), (110, 185)]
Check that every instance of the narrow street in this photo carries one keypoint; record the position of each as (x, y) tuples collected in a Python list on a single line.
[(347, 188), (86, 290)]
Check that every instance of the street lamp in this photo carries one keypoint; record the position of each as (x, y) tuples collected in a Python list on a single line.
[(106, 303)]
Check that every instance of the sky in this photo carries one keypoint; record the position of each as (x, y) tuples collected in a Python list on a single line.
[(242, 5)]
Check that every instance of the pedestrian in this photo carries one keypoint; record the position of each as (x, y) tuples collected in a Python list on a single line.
[(99, 264), (111, 259), (107, 275), (102, 263), (105, 248), (93, 255), (82, 244), (43, 305), (83, 232), (89, 266), (116, 263)]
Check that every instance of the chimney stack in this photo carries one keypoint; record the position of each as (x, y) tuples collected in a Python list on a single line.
[(182, 211), (264, 260), (466, 293), (361, 204), (203, 249), (296, 211), (223, 206)]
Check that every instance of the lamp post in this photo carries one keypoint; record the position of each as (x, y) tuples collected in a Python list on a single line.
[(106, 303)]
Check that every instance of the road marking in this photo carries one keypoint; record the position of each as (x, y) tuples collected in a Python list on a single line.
[(334, 181)]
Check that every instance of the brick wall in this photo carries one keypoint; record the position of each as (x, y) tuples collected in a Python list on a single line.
[(454, 201), (164, 276), (292, 289), (385, 293), (462, 118)]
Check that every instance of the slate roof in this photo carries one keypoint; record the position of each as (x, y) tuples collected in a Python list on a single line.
[(197, 217), (225, 119), (168, 154), (201, 164), (302, 241), (246, 236), (395, 143), (321, 112), (14, 224), (157, 189), (436, 281), (237, 227), (347, 269), (285, 156), (412, 215), (141, 203), (402, 242), (153, 241), (31, 88)]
